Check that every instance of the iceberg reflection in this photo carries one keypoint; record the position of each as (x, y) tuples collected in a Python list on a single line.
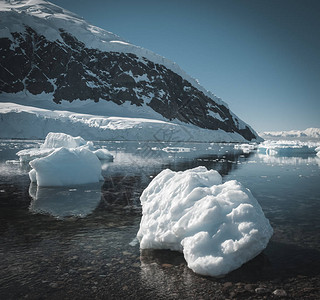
[(62, 202), (290, 160)]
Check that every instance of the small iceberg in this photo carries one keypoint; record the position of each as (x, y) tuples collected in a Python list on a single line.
[(65, 167), (218, 226), (55, 140), (64, 160), (287, 148), (246, 148)]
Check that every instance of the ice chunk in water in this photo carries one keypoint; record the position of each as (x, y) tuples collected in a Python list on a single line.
[(66, 167), (218, 226), (287, 148)]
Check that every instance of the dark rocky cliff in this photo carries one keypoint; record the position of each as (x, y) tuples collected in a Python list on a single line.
[(69, 70)]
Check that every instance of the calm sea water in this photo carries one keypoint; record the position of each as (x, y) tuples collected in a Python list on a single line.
[(79, 241)]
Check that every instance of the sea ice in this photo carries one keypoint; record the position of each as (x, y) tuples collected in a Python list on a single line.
[(176, 149), (218, 226), (66, 167), (246, 148)]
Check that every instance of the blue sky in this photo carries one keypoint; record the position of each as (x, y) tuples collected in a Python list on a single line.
[(261, 57)]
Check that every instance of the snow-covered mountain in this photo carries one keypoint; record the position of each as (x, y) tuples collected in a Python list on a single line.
[(308, 133), (50, 54)]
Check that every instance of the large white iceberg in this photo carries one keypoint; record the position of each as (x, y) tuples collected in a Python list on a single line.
[(218, 226)]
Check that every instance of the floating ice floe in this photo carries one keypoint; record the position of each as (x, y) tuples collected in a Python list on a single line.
[(218, 226), (64, 160), (246, 148), (287, 148), (176, 149)]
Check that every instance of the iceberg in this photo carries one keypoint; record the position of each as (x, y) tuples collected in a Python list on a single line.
[(55, 140), (287, 148), (218, 226), (64, 160), (246, 148), (66, 167)]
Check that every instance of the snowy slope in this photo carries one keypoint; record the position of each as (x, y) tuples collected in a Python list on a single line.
[(18, 121), (48, 53)]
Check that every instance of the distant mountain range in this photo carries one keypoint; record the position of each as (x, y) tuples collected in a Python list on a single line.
[(51, 54), (310, 132)]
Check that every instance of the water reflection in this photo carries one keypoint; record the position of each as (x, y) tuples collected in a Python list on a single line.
[(91, 255), (161, 267), (310, 159), (62, 202), (148, 159)]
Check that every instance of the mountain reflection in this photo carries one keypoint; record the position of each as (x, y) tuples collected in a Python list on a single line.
[(62, 202)]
